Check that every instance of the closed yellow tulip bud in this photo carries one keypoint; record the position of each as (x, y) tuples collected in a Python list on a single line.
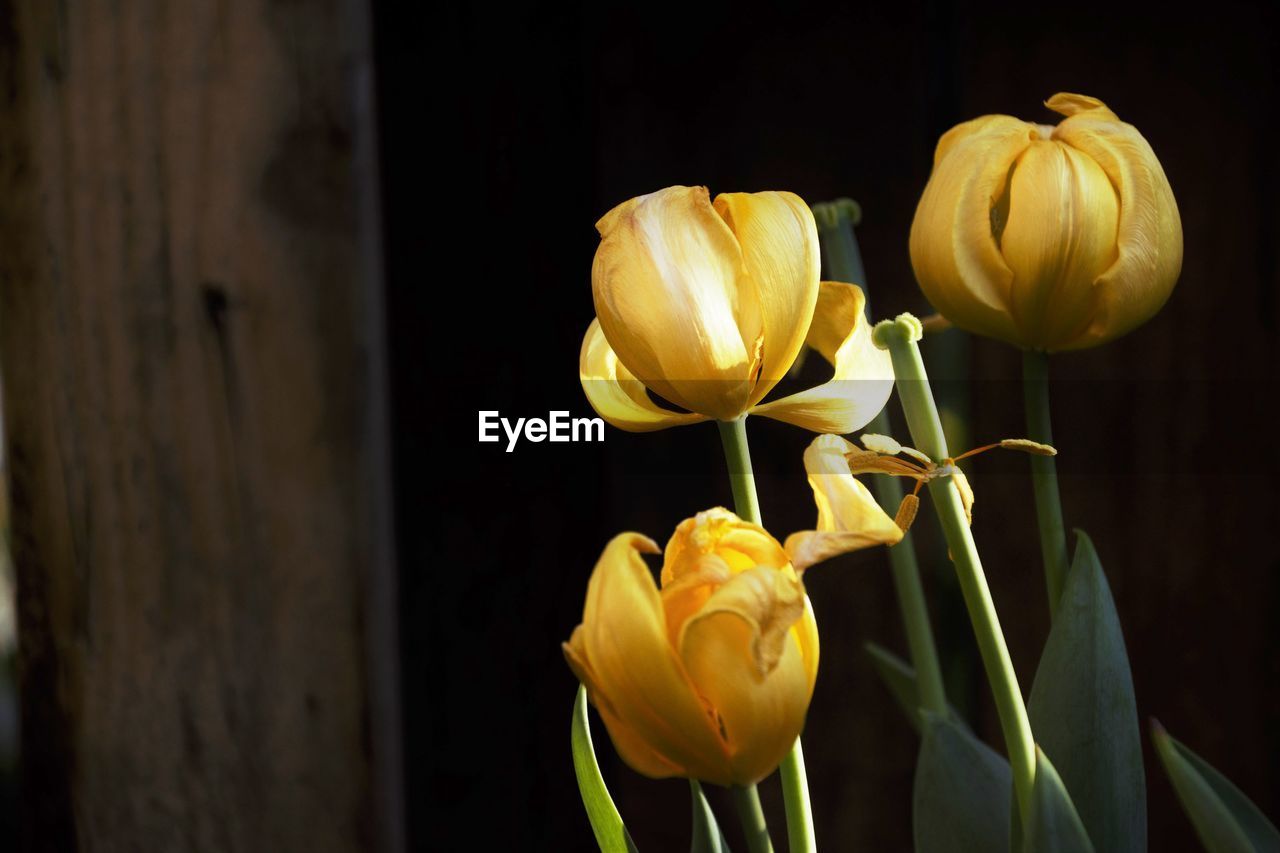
[(708, 304), (709, 678), (1050, 238)]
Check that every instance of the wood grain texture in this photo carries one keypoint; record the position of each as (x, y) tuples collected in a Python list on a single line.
[(189, 334)]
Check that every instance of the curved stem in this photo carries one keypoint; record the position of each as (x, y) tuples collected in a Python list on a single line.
[(1044, 475), (926, 432), (746, 799), (795, 785)]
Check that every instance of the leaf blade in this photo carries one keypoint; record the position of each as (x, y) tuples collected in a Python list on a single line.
[(606, 823), (1054, 825), (1084, 712), (899, 679), (1225, 820), (962, 794)]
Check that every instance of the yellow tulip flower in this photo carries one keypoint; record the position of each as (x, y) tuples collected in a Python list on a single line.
[(710, 676), (707, 305), (1049, 238)]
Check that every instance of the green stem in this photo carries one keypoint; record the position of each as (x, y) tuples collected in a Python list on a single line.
[(1044, 475), (795, 785), (843, 260), (900, 337), (746, 799), (911, 600), (733, 435)]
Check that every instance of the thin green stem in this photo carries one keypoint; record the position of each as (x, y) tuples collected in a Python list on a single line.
[(843, 260), (1044, 475), (733, 435), (911, 601), (795, 797), (900, 338), (746, 799), (795, 785)]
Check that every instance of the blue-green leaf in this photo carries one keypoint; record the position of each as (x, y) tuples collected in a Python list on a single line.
[(1224, 818), (606, 823), (707, 837), (900, 678), (1083, 711), (1054, 826), (963, 792)]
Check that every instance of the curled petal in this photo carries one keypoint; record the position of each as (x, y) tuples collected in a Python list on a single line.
[(633, 675), (848, 516), (675, 302), (1149, 234), (955, 249), (779, 242), (719, 535), (746, 660), (616, 395), (863, 376)]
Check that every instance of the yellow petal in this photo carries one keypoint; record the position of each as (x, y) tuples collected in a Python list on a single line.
[(954, 249), (745, 659), (636, 673), (1149, 235), (806, 633), (1060, 236), (675, 303), (848, 516), (863, 376), (615, 394), (779, 240), (684, 596), (638, 754)]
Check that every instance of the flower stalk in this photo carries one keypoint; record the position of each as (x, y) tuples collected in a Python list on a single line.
[(844, 263), (795, 784), (900, 338), (1044, 475)]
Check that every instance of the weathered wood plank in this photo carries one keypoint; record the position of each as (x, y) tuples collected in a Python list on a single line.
[(189, 333)]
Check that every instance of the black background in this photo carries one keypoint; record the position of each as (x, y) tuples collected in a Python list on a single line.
[(508, 132)]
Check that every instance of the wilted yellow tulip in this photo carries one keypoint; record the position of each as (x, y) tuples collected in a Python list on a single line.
[(1050, 238), (707, 305), (711, 676)]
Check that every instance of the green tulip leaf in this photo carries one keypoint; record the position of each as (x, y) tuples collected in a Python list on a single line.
[(1055, 825), (1224, 818), (606, 823), (963, 792), (900, 678), (1083, 710), (707, 837)]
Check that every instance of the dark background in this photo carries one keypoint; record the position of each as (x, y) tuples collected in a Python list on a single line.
[(506, 134)]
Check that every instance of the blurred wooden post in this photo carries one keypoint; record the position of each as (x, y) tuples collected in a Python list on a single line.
[(194, 387)]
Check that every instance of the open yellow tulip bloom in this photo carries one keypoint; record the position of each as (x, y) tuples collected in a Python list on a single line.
[(709, 677), (1050, 238), (707, 305)]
